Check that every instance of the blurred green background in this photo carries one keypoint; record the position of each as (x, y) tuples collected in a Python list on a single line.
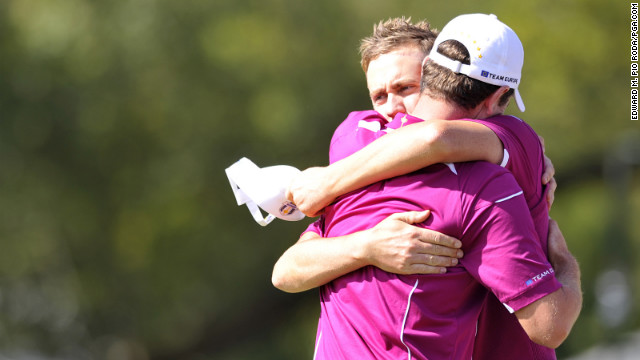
[(120, 235)]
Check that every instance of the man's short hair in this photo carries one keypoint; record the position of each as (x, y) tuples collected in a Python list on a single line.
[(441, 83), (393, 34)]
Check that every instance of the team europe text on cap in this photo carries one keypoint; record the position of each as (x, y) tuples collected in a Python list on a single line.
[(263, 188), (495, 50)]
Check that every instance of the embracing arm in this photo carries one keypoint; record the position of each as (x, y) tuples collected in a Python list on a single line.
[(403, 151), (314, 261), (393, 245), (414, 147), (549, 320)]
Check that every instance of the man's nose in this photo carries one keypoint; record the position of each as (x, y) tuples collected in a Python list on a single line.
[(395, 104)]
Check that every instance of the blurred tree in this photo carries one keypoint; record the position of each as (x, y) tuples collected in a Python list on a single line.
[(121, 239)]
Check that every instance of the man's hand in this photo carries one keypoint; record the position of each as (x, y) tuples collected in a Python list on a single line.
[(393, 245), (559, 253), (547, 176), (396, 246), (310, 191)]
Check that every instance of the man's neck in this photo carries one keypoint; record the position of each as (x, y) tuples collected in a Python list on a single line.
[(429, 108)]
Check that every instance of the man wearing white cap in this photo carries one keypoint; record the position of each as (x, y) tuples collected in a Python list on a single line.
[(391, 59), (532, 300)]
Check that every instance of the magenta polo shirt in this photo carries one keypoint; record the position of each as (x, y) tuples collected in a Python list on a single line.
[(371, 314), (499, 332)]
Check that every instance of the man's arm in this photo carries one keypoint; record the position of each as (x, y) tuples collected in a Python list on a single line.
[(549, 320), (393, 245), (403, 151)]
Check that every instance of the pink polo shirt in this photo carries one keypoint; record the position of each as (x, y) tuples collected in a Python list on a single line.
[(373, 314), (499, 332)]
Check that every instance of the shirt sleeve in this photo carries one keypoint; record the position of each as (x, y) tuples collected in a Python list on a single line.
[(316, 227), (523, 155), (503, 251), (358, 130)]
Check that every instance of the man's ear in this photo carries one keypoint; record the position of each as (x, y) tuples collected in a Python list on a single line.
[(492, 103)]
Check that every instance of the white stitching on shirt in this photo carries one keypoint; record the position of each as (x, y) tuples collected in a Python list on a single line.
[(369, 125), (505, 158), (509, 197), (404, 321), (315, 352)]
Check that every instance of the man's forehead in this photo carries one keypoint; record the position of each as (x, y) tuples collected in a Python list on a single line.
[(407, 53), (398, 66)]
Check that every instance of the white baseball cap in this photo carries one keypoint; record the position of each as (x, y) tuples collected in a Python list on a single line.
[(265, 188), (496, 53)]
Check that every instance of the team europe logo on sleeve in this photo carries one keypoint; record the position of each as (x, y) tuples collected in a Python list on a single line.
[(539, 277)]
